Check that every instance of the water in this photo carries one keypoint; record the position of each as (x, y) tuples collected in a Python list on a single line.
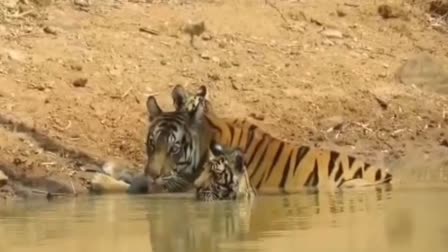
[(354, 221)]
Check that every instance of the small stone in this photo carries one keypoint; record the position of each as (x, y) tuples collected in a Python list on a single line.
[(341, 13), (3, 178), (149, 30), (207, 37), (382, 75), (327, 42), (3, 30), (235, 63), (50, 30), (332, 33), (224, 64), (215, 59), (81, 82), (10, 4), (256, 116), (222, 44), (76, 67), (15, 55), (82, 3), (213, 76), (444, 142), (163, 62), (332, 123), (204, 55)]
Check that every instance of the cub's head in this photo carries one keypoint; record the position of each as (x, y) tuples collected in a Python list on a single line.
[(174, 146), (187, 101), (224, 176)]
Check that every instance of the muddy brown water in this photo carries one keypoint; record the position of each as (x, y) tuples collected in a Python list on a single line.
[(352, 221)]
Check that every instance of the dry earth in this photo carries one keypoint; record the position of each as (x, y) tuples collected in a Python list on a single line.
[(74, 77)]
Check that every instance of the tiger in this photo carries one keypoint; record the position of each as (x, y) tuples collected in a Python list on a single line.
[(224, 176), (177, 146), (274, 165)]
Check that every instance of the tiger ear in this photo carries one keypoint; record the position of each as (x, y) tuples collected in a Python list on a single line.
[(179, 96), (238, 158), (198, 113), (153, 107), (202, 92)]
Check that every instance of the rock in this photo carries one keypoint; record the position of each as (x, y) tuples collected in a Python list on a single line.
[(327, 42), (3, 30), (425, 71), (3, 178), (213, 76), (194, 29), (82, 3), (10, 4), (205, 55), (332, 123), (332, 33), (76, 67), (42, 2), (81, 82), (50, 30), (256, 116), (15, 55), (224, 64), (207, 37)]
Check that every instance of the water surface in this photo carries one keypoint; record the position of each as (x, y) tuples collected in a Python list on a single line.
[(354, 221)]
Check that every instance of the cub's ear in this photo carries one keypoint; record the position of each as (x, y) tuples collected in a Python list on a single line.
[(154, 109), (179, 96), (238, 158)]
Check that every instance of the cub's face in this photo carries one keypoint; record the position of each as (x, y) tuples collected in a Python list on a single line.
[(222, 175)]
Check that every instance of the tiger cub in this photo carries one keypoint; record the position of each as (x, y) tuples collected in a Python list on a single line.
[(274, 165), (224, 176)]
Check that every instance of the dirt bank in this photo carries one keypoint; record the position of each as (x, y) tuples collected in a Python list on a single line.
[(74, 77)]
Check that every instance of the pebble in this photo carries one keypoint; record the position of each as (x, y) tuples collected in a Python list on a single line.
[(81, 82), (3, 178), (224, 64), (215, 59), (76, 67), (213, 76), (50, 30), (15, 55), (204, 55), (332, 33), (207, 37), (327, 42)]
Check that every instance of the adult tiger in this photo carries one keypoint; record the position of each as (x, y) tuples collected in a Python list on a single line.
[(224, 176), (177, 146), (276, 165)]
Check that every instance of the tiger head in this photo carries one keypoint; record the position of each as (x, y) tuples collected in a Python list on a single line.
[(224, 176), (187, 101), (175, 149)]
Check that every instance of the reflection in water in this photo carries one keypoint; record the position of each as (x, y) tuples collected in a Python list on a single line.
[(367, 220)]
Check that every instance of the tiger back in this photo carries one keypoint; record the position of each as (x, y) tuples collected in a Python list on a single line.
[(224, 176), (277, 166)]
